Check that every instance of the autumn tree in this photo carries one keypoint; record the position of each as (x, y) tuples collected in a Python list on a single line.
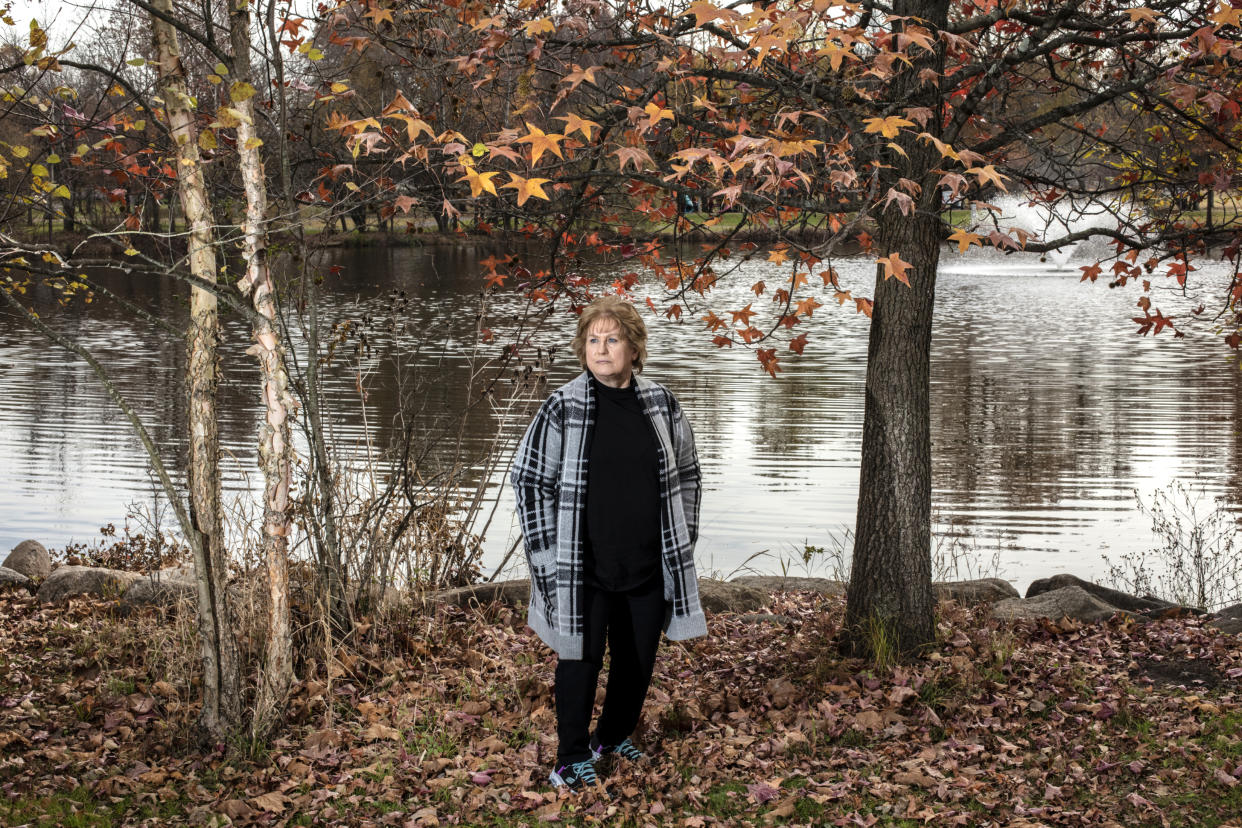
[(824, 128)]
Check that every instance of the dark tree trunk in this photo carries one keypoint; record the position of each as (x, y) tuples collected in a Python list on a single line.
[(890, 596), (890, 611), (152, 208), (71, 223)]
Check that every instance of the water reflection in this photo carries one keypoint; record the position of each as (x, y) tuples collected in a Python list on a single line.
[(1047, 410)]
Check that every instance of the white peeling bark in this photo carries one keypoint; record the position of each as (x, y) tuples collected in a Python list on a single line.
[(280, 406), (221, 713)]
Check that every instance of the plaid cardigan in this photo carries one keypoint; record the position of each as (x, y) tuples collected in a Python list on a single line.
[(549, 478)]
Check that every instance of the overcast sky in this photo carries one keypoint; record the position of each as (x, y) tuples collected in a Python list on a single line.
[(60, 17)]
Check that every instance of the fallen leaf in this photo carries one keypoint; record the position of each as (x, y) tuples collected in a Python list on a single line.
[(379, 730), (868, 720), (271, 802), (236, 809), (781, 691), (762, 792)]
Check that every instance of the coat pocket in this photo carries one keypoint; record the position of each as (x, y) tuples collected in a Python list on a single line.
[(543, 583), (541, 559)]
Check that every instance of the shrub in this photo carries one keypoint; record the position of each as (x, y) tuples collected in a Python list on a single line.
[(1195, 563)]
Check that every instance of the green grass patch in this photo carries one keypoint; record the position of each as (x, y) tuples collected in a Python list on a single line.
[(849, 738), (808, 810), (726, 800), (431, 741), (80, 808), (1223, 735), (121, 687)]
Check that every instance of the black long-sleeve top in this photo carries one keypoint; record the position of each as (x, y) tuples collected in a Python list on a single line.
[(623, 493)]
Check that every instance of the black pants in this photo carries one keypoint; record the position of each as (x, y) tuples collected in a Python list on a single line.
[(631, 622)]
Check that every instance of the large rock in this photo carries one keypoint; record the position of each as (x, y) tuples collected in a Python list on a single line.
[(730, 596), (1067, 602), (982, 591), (10, 578), (31, 559), (1228, 620), (164, 587), (781, 583), (147, 592), (69, 581), (183, 573), (504, 592), (1115, 597)]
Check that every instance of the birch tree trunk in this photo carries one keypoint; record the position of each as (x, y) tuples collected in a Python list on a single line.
[(221, 713), (322, 514), (275, 447)]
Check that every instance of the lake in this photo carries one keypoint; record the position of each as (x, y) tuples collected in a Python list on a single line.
[(1048, 411)]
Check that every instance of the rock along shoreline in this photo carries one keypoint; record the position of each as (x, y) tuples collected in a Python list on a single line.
[(29, 566)]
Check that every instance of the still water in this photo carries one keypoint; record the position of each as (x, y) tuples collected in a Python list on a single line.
[(1048, 412)]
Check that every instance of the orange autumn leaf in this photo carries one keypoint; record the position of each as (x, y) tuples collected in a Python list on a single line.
[(988, 174), (895, 267), (705, 12), (767, 358), (807, 306), (888, 127), (578, 75), (634, 155), (526, 187), (379, 15), (543, 25), (574, 123), (482, 182), (743, 316), (965, 239), (541, 142)]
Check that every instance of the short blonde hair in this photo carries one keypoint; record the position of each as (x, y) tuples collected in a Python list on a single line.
[(633, 330)]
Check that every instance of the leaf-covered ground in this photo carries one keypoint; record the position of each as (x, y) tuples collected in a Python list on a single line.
[(447, 720)]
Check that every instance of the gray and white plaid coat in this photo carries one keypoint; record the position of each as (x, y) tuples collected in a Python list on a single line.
[(549, 478)]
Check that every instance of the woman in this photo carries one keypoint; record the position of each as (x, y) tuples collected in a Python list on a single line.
[(607, 485)]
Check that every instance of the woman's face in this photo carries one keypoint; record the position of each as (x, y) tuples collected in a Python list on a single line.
[(608, 354)]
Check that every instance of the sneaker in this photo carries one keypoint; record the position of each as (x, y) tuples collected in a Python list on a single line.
[(575, 775), (625, 750)]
